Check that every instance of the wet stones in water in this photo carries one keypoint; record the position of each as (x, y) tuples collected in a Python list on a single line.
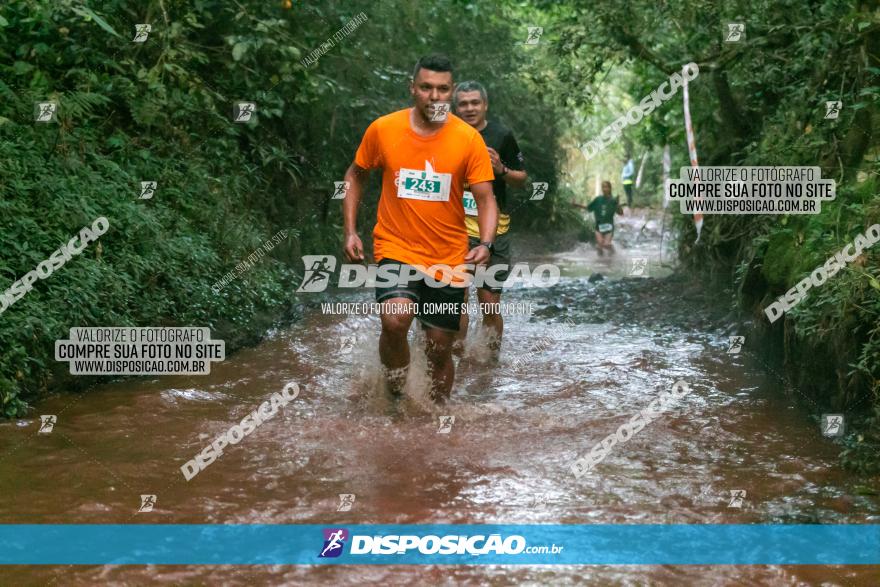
[(550, 310), (596, 277)]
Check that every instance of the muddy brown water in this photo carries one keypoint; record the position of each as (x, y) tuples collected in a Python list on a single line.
[(507, 458)]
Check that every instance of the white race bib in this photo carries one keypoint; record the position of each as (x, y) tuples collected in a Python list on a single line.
[(470, 204), (424, 185), (603, 228)]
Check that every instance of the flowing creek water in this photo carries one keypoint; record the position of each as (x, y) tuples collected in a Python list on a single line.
[(614, 345)]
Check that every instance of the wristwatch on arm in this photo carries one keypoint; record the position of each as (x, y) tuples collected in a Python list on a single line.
[(504, 171), (490, 246)]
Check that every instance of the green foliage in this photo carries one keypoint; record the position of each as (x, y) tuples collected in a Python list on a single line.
[(758, 102), (862, 450)]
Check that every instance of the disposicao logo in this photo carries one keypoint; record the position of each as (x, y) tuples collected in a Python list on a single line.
[(335, 538), (334, 541)]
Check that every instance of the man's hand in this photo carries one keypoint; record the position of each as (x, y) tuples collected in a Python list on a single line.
[(354, 248), (479, 255), (495, 158)]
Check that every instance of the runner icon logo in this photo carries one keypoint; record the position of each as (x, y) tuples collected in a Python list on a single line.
[(318, 269), (147, 503), (535, 33), (243, 111), (639, 267), (346, 501), (340, 188), (45, 111), (47, 423), (735, 32), (334, 542), (539, 190), (832, 109), (735, 344), (439, 111), (148, 188), (346, 345), (446, 423), (737, 496), (141, 32), (832, 425)]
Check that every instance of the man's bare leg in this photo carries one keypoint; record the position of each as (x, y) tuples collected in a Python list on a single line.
[(393, 346), (441, 368), (492, 319), (603, 243), (608, 246)]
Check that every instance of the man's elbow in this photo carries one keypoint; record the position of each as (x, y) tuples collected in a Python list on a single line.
[(355, 173)]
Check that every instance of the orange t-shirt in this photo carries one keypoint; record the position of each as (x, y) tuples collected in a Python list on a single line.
[(421, 216)]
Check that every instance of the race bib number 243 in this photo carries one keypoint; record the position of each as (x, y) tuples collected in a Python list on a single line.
[(424, 185)]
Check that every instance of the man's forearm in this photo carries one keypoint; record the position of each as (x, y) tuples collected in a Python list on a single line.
[(355, 181), (488, 225), (487, 218), (515, 178)]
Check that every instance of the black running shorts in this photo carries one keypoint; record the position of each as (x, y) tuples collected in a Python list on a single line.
[(436, 307)]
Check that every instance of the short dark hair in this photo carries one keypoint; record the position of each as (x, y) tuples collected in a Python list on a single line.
[(434, 62), (470, 86)]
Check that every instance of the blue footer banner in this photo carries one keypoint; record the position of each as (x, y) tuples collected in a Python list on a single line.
[(379, 544)]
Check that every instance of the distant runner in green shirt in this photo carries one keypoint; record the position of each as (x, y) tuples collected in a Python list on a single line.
[(604, 208)]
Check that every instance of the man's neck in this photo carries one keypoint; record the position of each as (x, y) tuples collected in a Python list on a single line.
[(482, 125), (420, 125)]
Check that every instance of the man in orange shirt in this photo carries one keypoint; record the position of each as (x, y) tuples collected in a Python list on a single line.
[(426, 155)]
